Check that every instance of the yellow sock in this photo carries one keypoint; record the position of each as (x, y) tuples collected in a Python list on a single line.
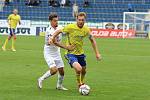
[(82, 78), (13, 43), (79, 78), (6, 41)]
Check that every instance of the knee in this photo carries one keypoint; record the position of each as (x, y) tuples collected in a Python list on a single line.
[(79, 70), (53, 70), (77, 67), (15, 37), (9, 37)]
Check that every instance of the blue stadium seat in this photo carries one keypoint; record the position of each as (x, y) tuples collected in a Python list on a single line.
[(98, 11)]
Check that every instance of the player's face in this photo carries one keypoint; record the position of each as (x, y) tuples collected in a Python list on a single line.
[(54, 22), (15, 11), (80, 21)]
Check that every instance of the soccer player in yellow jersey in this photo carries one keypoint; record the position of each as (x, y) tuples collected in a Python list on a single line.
[(75, 53), (13, 20)]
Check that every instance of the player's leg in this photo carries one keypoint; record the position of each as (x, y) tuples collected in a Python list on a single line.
[(52, 71), (52, 68), (5, 43), (60, 65), (73, 61), (49, 73), (82, 62), (83, 73), (13, 41), (78, 69), (7, 39), (60, 79)]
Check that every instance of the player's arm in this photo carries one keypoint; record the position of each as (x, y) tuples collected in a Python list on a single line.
[(20, 21), (95, 48), (8, 20), (59, 44)]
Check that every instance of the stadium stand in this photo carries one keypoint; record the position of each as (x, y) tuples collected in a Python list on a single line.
[(98, 10)]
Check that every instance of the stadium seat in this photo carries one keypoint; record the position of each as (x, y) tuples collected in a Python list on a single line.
[(99, 10)]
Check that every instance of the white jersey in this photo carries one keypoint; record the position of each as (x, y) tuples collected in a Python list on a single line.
[(51, 52), (49, 32)]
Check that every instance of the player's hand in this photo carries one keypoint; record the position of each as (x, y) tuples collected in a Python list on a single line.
[(50, 41), (98, 57), (70, 47)]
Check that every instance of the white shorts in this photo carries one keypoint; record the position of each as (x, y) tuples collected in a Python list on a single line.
[(53, 57)]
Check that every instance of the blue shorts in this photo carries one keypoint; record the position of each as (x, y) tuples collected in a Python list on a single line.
[(12, 31), (76, 58)]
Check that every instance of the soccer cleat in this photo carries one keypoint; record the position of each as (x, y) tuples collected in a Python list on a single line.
[(61, 88), (13, 49), (40, 83), (3, 48)]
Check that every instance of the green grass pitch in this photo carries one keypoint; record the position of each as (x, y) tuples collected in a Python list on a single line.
[(123, 74)]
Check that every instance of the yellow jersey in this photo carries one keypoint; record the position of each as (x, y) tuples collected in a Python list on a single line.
[(75, 36), (13, 20)]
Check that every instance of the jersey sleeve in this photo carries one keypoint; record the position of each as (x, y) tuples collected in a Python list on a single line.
[(88, 31), (9, 17), (67, 29), (19, 17)]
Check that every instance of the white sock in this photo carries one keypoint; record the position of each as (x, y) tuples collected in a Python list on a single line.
[(60, 80), (46, 75)]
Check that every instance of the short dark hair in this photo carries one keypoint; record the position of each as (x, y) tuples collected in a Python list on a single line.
[(52, 15)]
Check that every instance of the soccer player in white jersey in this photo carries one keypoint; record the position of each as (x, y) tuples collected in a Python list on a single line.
[(52, 55)]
